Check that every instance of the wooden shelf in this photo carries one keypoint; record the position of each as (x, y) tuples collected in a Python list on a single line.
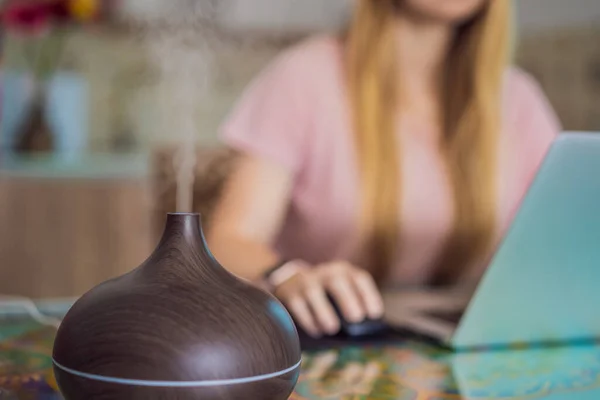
[(91, 166), (61, 236)]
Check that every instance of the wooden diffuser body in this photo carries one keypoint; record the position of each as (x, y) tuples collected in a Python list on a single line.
[(177, 327)]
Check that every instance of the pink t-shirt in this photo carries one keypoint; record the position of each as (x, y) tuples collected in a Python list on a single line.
[(296, 113)]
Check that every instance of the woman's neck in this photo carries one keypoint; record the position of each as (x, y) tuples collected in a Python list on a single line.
[(422, 49)]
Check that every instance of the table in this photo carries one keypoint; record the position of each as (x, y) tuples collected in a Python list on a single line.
[(404, 371)]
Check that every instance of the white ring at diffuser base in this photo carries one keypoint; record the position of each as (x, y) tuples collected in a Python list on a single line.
[(176, 384)]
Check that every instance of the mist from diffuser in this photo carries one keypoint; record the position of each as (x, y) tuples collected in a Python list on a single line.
[(178, 35), (179, 326)]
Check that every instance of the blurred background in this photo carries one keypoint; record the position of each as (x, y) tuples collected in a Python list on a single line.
[(89, 127)]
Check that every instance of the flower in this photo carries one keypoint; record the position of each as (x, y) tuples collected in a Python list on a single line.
[(59, 11), (34, 16), (84, 10), (27, 16), (44, 27)]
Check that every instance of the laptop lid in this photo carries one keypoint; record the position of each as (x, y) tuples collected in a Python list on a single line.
[(543, 284)]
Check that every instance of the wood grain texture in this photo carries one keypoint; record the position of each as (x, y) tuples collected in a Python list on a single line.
[(272, 389), (178, 317)]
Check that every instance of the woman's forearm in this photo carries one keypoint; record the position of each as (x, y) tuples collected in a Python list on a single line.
[(249, 215), (245, 258)]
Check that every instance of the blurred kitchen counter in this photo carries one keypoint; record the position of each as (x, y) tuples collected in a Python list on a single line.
[(69, 224)]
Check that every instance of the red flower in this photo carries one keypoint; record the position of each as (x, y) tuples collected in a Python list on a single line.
[(59, 10), (33, 17)]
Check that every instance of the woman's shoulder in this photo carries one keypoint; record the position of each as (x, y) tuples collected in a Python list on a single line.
[(525, 99), (314, 48), (308, 56), (271, 119), (528, 114), (521, 86)]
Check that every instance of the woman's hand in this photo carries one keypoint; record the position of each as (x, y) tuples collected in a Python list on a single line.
[(353, 289)]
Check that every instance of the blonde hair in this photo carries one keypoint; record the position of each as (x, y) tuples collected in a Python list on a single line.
[(471, 104)]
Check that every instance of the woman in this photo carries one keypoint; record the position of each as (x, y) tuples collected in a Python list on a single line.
[(396, 154)]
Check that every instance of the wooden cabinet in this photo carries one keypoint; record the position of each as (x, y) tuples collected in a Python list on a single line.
[(63, 232)]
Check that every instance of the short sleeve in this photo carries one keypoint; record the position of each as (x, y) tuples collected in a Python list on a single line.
[(272, 117), (537, 123)]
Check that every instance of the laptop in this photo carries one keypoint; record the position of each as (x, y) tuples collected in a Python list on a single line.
[(543, 284)]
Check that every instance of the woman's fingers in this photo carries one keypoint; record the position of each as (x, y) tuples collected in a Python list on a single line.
[(322, 309), (346, 297), (369, 293), (299, 309), (353, 290)]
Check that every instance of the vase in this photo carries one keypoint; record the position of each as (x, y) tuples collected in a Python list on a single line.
[(35, 135), (177, 327), (43, 116), (16, 102), (67, 111), (31, 132)]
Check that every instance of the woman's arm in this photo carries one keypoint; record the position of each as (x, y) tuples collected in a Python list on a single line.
[(249, 215), (271, 128), (245, 223)]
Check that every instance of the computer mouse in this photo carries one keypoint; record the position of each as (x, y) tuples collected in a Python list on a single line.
[(366, 328)]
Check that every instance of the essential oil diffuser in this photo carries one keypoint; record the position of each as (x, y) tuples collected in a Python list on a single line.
[(177, 327)]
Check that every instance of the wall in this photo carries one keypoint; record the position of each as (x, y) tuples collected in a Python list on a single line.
[(127, 94), (533, 15), (542, 15), (560, 47), (305, 15)]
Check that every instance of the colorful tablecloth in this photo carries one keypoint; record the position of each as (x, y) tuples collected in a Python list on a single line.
[(407, 371)]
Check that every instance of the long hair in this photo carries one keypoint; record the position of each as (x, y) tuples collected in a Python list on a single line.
[(470, 96)]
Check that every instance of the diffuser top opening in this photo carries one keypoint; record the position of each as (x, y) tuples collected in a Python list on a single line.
[(183, 213)]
